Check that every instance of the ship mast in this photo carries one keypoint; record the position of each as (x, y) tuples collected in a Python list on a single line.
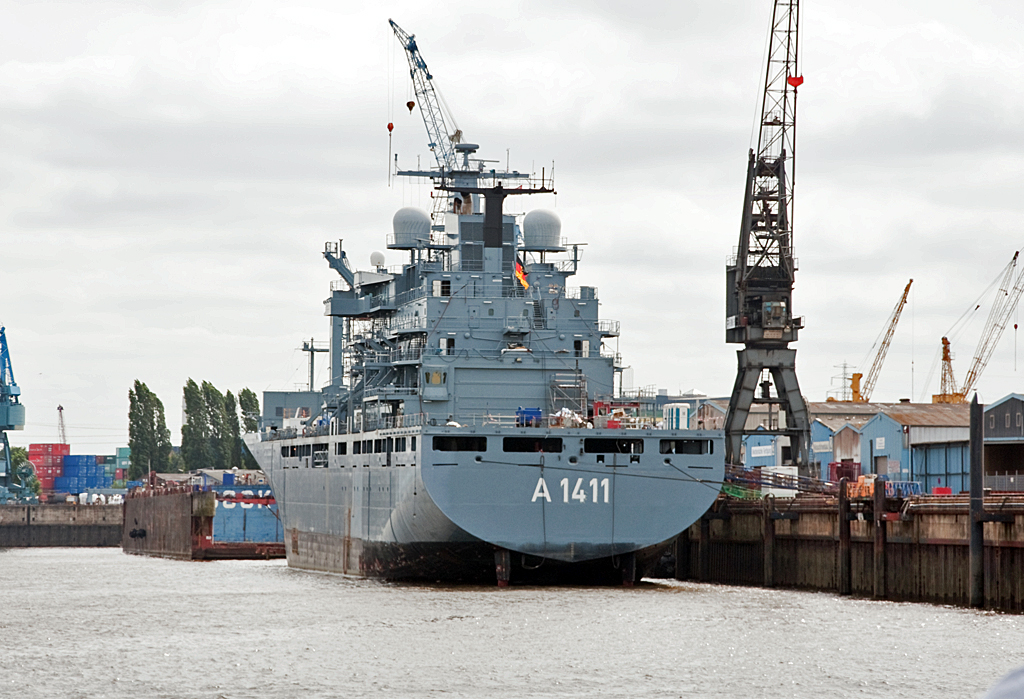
[(759, 281)]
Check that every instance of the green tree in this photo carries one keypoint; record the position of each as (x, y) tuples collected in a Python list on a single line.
[(195, 433), (148, 436), (231, 432), (22, 470), (250, 410), (220, 440)]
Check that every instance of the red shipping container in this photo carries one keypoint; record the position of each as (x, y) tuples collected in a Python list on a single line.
[(119, 474)]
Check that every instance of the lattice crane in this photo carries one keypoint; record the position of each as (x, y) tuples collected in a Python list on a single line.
[(998, 316), (759, 281), (863, 395), (442, 132)]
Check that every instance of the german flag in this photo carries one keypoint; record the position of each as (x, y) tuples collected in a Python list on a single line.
[(520, 275)]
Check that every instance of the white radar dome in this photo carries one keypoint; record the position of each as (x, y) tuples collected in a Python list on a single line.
[(377, 259), (542, 231), (412, 228)]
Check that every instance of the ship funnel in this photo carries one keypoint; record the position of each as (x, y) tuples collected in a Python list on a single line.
[(412, 229), (542, 232)]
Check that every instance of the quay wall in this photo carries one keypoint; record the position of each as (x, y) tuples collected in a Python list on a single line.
[(60, 525), (916, 551)]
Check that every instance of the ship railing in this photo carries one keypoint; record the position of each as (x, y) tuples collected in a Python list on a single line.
[(608, 327), (392, 422), (407, 323), (484, 419), (283, 433), (390, 391), (410, 295), (575, 293), (616, 357)]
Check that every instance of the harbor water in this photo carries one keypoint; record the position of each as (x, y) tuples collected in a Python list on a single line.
[(99, 623)]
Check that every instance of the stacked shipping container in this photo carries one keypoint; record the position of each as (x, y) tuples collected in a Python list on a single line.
[(60, 471), (47, 461)]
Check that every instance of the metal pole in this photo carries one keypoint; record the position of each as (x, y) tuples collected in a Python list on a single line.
[(977, 545), (845, 583)]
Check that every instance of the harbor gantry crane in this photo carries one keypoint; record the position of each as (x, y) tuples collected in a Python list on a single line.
[(443, 134), (861, 393), (759, 281), (12, 413), (1005, 301)]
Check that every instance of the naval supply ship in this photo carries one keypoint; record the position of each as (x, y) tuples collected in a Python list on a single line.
[(470, 429)]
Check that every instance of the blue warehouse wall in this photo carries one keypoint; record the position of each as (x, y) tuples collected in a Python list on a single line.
[(883, 436), (760, 443), (821, 434), (944, 465)]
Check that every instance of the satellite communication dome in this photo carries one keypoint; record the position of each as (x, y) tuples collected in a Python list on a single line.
[(377, 259), (542, 231), (412, 229)]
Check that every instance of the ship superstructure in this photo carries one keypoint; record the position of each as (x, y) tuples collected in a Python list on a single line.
[(458, 436)]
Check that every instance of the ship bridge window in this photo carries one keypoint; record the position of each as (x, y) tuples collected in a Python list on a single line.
[(341, 448), (357, 447), (460, 443), (442, 287), (598, 445), (285, 451), (320, 447), (687, 446), (550, 445)]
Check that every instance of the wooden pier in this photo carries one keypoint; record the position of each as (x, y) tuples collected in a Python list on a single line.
[(915, 550)]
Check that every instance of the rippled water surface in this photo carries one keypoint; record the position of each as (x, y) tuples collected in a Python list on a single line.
[(99, 623)]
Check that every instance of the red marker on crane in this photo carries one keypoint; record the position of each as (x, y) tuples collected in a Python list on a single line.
[(391, 127), (795, 80)]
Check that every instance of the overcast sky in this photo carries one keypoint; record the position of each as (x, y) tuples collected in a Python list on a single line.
[(171, 171)]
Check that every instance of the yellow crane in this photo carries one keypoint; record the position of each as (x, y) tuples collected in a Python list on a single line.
[(862, 394), (1002, 307)]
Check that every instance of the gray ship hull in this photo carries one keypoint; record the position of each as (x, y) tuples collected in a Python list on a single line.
[(436, 503)]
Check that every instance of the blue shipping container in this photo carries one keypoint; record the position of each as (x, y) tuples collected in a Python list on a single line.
[(71, 470)]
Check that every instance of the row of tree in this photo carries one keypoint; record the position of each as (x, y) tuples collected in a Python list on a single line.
[(210, 436)]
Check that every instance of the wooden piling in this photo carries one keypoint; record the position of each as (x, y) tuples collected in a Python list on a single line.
[(880, 531), (704, 551), (768, 537), (683, 556), (844, 567)]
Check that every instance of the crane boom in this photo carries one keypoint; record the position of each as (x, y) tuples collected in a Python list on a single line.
[(441, 138), (864, 395), (1002, 308), (1005, 302)]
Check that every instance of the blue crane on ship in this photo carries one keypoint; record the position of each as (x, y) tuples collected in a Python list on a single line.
[(443, 134), (436, 115), (12, 417)]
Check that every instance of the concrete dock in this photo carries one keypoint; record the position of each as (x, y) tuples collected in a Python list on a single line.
[(60, 525)]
